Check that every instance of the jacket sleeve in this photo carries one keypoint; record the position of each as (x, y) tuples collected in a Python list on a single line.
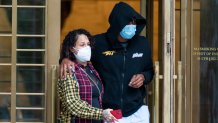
[(70, 98), (148, 70)]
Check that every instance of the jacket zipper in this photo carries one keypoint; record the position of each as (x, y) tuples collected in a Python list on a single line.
[(123, 75)]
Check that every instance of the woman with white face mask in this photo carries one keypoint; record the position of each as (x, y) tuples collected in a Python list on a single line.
[(81, 93)]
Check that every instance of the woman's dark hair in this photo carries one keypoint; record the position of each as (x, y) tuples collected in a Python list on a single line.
[(70, 41)]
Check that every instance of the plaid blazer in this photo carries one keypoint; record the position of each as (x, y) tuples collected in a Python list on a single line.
[(75, 94)]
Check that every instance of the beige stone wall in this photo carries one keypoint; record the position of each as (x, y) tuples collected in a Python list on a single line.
[(92, 15)]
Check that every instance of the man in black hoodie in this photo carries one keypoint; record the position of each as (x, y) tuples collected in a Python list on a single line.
[(123, 59)]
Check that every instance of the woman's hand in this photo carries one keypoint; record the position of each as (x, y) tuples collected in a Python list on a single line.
[(66, 65), (107, 116)]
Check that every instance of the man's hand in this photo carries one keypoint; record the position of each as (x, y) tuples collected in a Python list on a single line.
[(137, 81), (65, 66)]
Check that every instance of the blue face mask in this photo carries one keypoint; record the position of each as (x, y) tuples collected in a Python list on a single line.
[(128, 31)]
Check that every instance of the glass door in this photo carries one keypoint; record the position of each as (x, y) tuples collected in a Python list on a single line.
[(188, 76), (5, 59), (22, 61), (28, 48), (199, 42)]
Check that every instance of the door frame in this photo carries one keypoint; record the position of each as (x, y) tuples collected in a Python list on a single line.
[(168, 30), (53, 47), (167, 63)]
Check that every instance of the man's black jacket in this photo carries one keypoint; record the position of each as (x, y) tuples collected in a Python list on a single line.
[(117, 64)]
